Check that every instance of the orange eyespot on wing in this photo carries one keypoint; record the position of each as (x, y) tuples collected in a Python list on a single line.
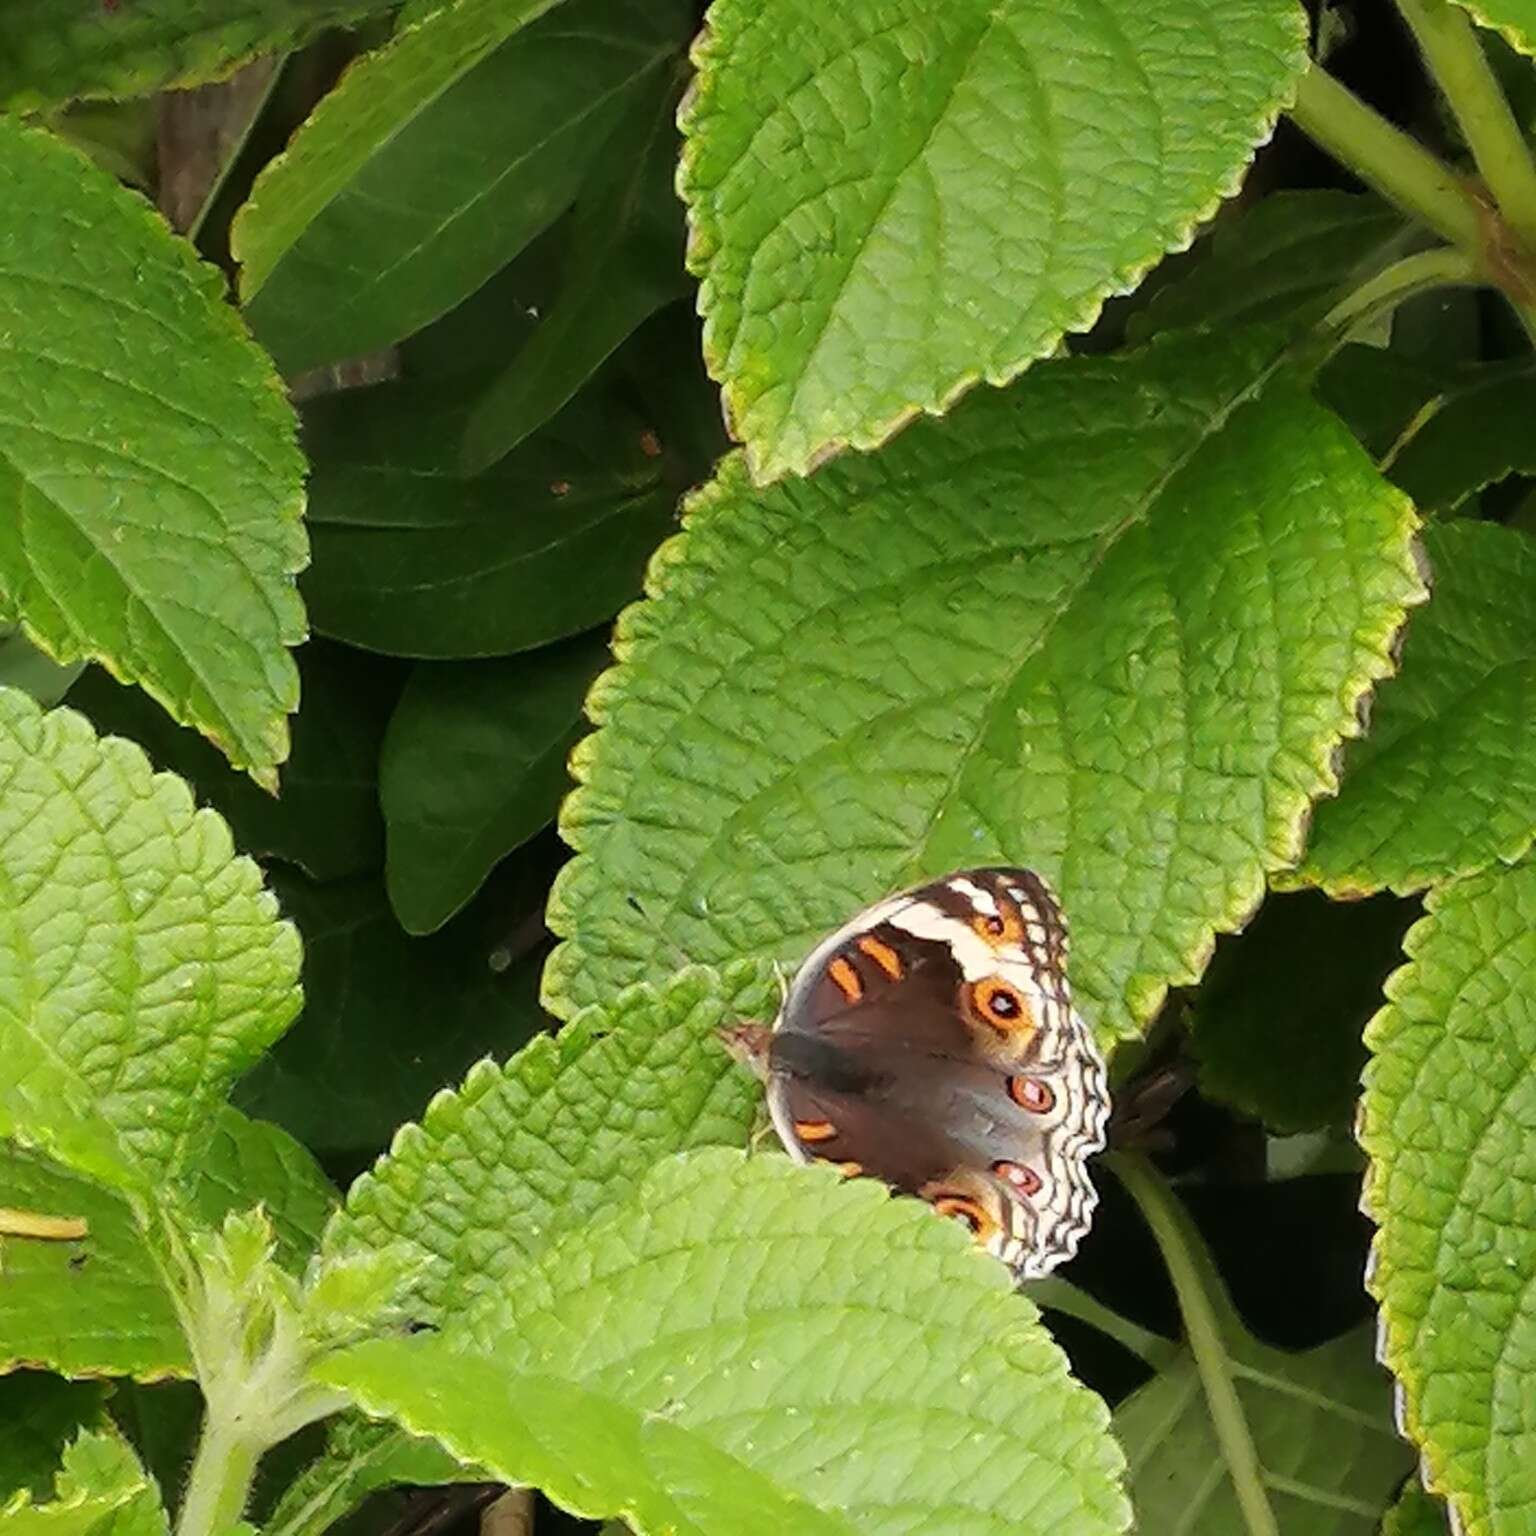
[(1023, 1179), (846, 979), (963, 1208), (1001, 1004), (1031, 1094), (883, 955), (1003, 929)]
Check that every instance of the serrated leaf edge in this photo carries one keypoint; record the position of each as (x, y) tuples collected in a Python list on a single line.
[(286, 605), (766, 466), (172, 797), (1382, 652), (1518, 40), (1432, 1467)]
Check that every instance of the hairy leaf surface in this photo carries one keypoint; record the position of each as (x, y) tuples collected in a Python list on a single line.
[(143, 967), (1450, 1099), (150, 489), (500, 1166), (1110, 624), (894, 199), (755, 1347), (97, 1305)]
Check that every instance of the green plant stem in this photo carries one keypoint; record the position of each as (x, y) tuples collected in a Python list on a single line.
[(1456, 60), (1062, 1296), (1204, 1335), (1444, 266), (221, 1479), (1384, 157)]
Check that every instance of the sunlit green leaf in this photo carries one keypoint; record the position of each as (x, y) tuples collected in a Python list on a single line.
[(1111, 624), (891, 201), (150, 489), (736, 1379), (1449, 1102)]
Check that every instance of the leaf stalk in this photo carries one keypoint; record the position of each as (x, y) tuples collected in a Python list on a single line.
[(1443, 267), (220, 1484), (1203, 1333), (1387, 159), (1456, 60)]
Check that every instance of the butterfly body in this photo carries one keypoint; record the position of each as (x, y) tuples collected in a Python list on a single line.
[(932, 1043)]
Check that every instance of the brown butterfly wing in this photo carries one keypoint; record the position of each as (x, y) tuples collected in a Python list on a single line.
[(932, 1044)]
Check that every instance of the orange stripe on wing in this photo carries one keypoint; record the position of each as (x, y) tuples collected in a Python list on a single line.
[(883, 955), (846, 979)]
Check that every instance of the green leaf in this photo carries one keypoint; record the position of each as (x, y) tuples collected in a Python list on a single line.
[(1514, 19), (101, 1491), (1377, 393), (1449, 1102), (1283, 260), (142, 965), (1415, 1514), (326, 818), (412, 560), (1475, 432), (593, 1109), (893, 201), (433, 163), (1034, 633), (38, 1413), (1230, 1431), (56, 50), (1249, 1006), (25, 667), (387, 1018), (626, 261), (521, 1153), (473, 765), (150, 489), (95, 1306), (252, 1160), (98, 1305), (755, 1347), (1320, 1423), (361, 1457), (1445, 782)]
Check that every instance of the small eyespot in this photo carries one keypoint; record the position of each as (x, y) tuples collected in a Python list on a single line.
[(1031, 1094), (1023, 1179), (1001, 1004), (963, 1208)]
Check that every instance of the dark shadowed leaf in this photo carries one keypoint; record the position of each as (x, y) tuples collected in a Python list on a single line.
[(434, 162), (474, 764), (325, 817), (1297, 985), (625, 261), (388, 1019), (411, 559)]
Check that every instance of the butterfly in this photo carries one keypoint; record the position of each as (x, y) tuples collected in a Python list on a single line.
[(931, 1042)]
